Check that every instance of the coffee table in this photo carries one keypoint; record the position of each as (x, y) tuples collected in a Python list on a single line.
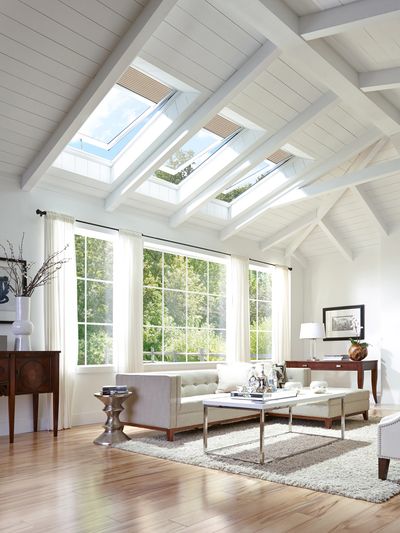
[(304, 397)]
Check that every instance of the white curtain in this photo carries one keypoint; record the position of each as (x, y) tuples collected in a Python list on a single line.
[(238, 336), (280, 315), (128, 302), (60, 309)]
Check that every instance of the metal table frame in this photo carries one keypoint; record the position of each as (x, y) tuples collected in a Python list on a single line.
[(263, 408)]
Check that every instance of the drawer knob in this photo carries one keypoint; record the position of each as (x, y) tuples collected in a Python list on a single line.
[(338, 366), (304, 366)]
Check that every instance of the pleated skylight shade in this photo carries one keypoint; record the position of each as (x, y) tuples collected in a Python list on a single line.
[(143, 85), (278, 156), (221, 126)]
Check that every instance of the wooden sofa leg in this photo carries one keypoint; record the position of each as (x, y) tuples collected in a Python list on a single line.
[(365, 415), (383, 467), (170, 435), (328, 423)]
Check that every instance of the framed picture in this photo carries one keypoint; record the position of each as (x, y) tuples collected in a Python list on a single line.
[(7, 299), (341, 323)]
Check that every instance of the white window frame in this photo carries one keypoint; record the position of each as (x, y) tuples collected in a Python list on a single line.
[(268, 270), (104, 234), (221, 259)]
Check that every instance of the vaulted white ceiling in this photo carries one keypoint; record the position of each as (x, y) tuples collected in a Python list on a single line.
[(320, 78)]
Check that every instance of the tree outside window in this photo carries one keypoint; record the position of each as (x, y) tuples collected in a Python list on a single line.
[(184, 308), (260, 295), (94, 270)]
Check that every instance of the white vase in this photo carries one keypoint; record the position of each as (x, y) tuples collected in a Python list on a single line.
[(22, 327)]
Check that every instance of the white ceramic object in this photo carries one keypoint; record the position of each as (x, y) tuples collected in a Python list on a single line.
[(318, 387), (22, 327)]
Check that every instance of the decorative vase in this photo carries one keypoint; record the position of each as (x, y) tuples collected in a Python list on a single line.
[(22, 327), (357, 352)]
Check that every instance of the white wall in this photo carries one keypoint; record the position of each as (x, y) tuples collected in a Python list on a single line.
[(17, 215), (371, 279)]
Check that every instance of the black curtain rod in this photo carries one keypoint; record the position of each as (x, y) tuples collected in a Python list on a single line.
[(42, 213)]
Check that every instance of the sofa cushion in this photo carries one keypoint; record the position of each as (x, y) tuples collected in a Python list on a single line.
[(198, 382), (192, 404), (230, 376)]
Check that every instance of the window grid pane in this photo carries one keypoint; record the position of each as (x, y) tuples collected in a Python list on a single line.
[(188, 330), (260, 302), (95, 310)]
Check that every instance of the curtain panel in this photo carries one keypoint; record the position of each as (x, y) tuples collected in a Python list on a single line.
[(238, 328), (128, 302), (281, 314), (60, 309)]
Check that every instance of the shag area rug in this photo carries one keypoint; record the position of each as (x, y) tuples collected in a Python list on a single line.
[(344, 467)]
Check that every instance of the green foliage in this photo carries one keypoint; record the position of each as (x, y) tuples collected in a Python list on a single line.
[(94, 268), (231, 195), (189, 301), (356, 342)]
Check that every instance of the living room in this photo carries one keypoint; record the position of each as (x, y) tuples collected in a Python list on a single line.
[(294, 170)]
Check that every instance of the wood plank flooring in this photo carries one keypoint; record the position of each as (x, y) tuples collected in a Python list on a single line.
[(69, 484)]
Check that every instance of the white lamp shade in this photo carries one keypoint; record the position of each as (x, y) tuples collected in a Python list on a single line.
[(312, 330)]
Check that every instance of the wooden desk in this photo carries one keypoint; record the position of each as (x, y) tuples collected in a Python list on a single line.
[(32, 372), (344, 365)]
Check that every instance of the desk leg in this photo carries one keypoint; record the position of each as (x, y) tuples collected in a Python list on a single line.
[(360, 378), (55, 386), (374, 380), (35, 404), (11, 398)]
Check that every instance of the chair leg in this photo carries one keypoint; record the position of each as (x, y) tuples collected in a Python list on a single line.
[(365, 415), (328, 423), (170, 435), (383, 467)]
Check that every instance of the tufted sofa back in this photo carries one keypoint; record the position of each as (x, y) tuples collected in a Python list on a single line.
[(198, 382)]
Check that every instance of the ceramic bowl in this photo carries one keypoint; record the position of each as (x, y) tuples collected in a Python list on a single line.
[(318, 387), (292, 385)]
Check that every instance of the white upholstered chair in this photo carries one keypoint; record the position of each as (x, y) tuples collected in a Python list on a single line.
[(388, 443)]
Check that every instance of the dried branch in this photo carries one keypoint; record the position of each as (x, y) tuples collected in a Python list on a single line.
[(21, 282)]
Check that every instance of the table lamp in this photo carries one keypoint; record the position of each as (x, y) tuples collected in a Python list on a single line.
[(312, 331)]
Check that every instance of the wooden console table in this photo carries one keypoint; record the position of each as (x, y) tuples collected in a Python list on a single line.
[(343, 365), (32, 372)]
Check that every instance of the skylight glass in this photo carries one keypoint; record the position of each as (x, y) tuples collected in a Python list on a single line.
[(130, 104), (261, 171), (197, 150)]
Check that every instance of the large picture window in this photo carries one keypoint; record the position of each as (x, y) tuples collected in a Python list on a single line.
[(94, 271), (260, 294), (184, 307)]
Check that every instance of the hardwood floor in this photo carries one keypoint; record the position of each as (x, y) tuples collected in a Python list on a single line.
[(69, 484)]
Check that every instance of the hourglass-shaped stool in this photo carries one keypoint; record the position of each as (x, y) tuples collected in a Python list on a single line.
[(113, 427)]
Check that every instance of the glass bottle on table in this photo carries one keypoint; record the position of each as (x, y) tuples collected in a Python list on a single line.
[(273, 380)]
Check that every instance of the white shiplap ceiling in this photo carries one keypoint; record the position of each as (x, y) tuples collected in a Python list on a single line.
[(321, 77)]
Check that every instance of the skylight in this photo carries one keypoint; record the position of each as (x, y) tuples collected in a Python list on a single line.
[(130, 104), (261, 171), (198, 149)]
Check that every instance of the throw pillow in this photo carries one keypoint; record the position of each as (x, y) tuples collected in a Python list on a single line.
[(230, 376)]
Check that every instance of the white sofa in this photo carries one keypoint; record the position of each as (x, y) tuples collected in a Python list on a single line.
[(388, 439), (173, 401)]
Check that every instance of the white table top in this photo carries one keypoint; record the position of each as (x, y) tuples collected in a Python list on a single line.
[(304, 397)]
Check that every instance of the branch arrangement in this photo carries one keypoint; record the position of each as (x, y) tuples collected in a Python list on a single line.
[(21, 281)]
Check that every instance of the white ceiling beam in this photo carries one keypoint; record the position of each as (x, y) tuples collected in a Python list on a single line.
[(288, 231), (299, 239), (371, 173), (370, 209), (317, 171), (275, 20), (149, 18), (379, 80), (323, 210), (267, 147), (334, 238), (252, 67), (346, 18)]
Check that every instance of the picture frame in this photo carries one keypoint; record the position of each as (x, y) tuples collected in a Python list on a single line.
[(342, 323), (7, 299)]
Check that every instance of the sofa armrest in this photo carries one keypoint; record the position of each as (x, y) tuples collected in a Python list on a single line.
[(154, 401), (302, 375)]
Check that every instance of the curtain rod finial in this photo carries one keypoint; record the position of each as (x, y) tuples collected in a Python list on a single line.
[(40, 212)]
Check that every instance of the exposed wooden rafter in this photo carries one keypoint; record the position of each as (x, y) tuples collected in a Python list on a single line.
[(379, 80), (336, 239), (346, 17)]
